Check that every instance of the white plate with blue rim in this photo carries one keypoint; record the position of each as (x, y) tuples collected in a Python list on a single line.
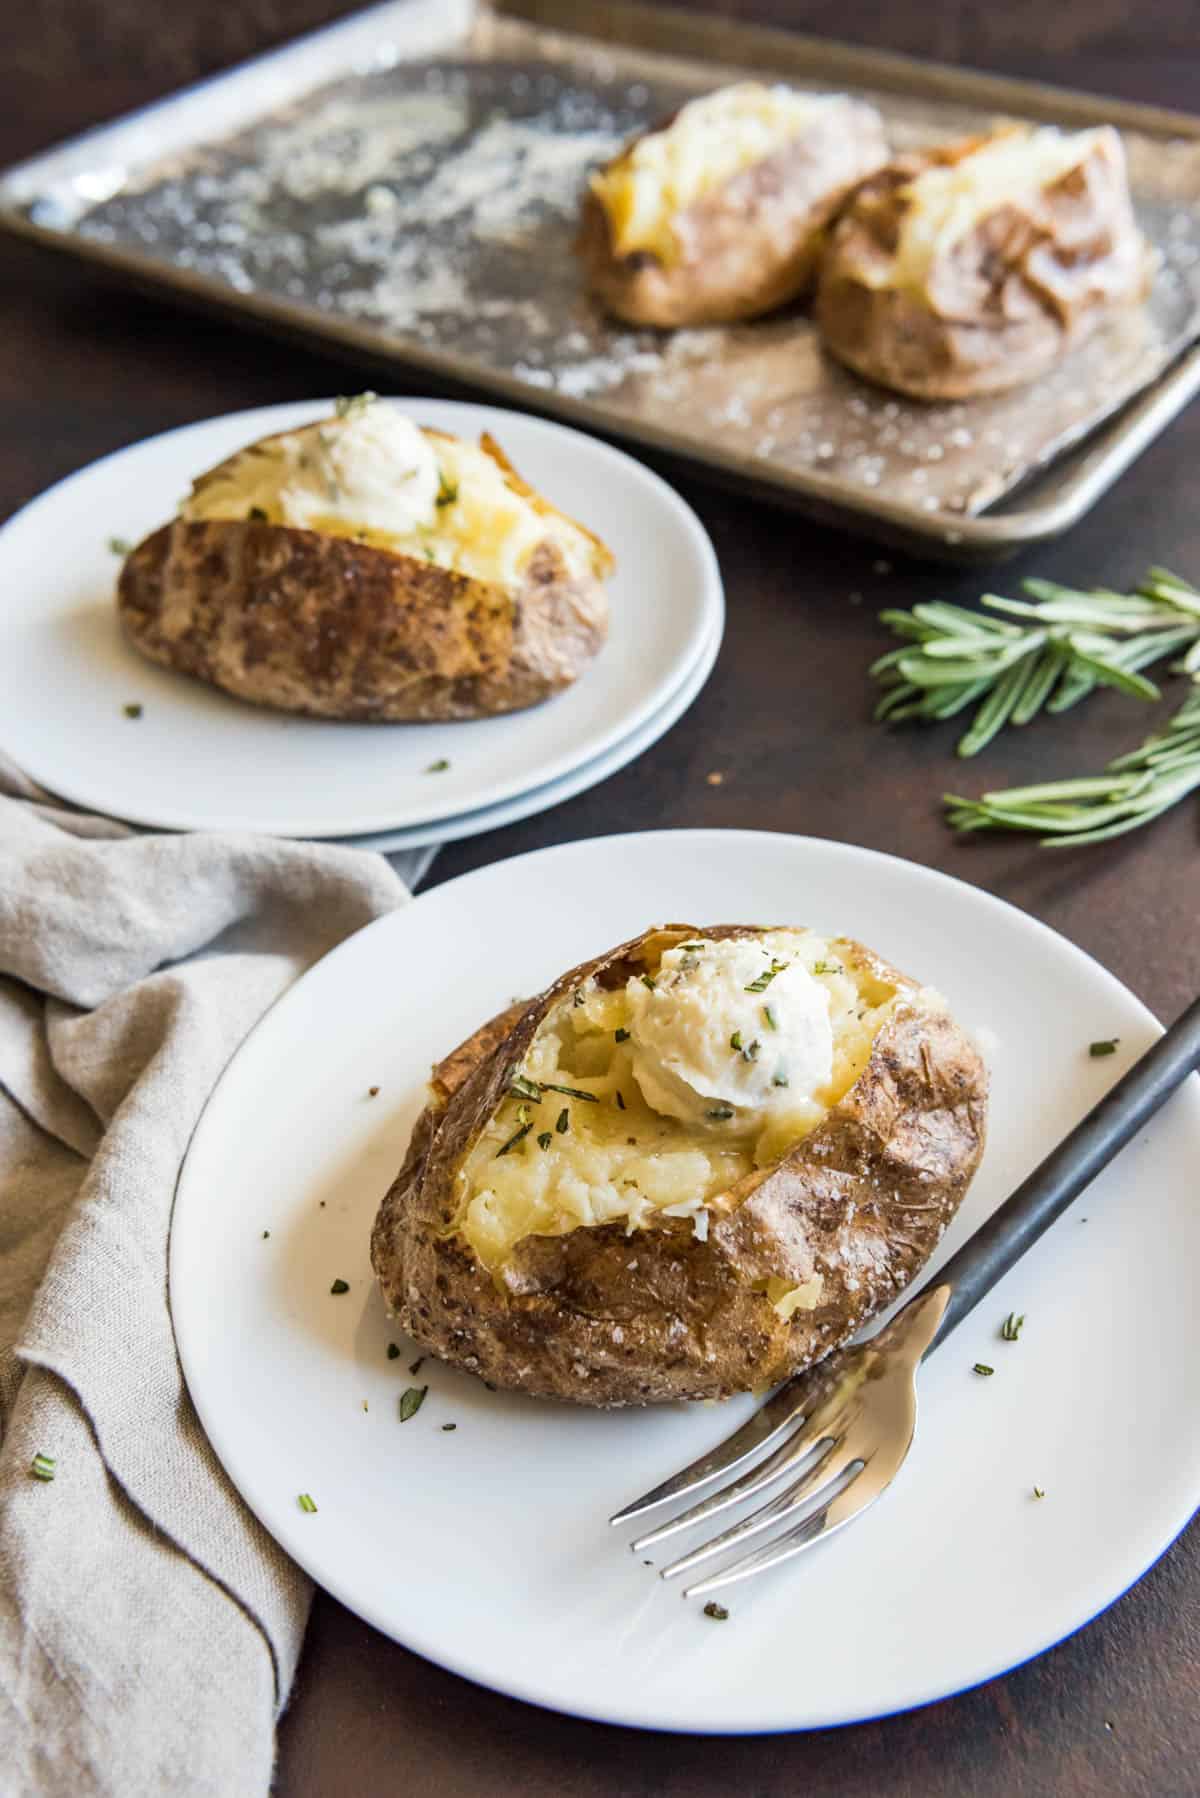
[(193, 758), (486, 1548)]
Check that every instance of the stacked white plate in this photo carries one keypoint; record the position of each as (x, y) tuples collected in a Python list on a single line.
[(195, 759)]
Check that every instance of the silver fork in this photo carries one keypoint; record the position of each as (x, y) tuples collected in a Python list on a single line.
[(840, 1433)]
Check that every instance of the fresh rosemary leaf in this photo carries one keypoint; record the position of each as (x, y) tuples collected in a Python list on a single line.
[(411, 1400), (1046, 653), (1133, 790)]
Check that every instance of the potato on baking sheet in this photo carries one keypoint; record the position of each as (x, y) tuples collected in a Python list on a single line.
[(690, 1168), (365, 568), (975, 267), (720, 213)]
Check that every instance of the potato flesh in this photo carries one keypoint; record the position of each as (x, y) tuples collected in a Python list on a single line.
[(945, 204), (478, 525), (710, 141), (634, 1165)]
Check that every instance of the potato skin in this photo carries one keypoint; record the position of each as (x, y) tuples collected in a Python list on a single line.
[(749, 246), (603, 1318), (324, 625), (1004, 305)]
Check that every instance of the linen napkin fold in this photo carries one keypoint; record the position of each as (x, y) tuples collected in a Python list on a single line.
[(149, 1626)]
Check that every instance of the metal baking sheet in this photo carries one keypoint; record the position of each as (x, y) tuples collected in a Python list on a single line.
[(409, 182)]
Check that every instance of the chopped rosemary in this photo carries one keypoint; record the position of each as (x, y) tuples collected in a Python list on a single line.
[(446, 1427), (780, 1077), (1039, 1492), (306, 1504), (772, 1022), (350, 405), (447, 491), (621, 1036), (257, 515), (620, 1100), (1010, 1329), (411, 1400), (690, 947), (120, 546), (572, 1092), (1063, 645), (735, 1041), (393, 1351), (42, 1467), (438, 767), (132, 710), (764, 980), (720, 1112), (715, 1610), (545, 1138), (524, 1126), (1106, 1046), (266, 1233), (525, 1088), (828, 967), (650, 981), (564, 1121), (982, 1367), (1133, 790), (340, 1286)]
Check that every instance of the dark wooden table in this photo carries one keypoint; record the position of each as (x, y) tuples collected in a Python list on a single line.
[(785, 717)]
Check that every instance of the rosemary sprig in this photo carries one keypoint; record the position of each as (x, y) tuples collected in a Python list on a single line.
[(1133, 789), (1044, 653)]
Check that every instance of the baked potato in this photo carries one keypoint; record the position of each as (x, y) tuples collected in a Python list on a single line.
[(692, 1167), (719, 214), (364, 568), (975, 267)]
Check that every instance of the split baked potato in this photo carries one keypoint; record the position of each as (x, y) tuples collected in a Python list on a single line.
[(975, 267), (365, 568), (692, 1167), (719, 214)]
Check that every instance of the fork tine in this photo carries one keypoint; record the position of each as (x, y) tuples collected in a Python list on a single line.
[(757, 1433), (853, 1498), (834, 1462), (822, 1425), (785, 1459)]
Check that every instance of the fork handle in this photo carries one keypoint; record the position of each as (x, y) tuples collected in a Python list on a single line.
[(998, 1244)]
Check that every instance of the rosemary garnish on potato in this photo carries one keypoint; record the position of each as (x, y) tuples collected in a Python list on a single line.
[(764, 980)]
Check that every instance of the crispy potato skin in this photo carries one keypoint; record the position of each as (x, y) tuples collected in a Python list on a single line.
[(599, 1317), (748, 247), (1000, 308), (305, 622)]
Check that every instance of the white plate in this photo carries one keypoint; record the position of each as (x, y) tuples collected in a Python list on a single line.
[(487, 1549), (198, 760), (540, 799)]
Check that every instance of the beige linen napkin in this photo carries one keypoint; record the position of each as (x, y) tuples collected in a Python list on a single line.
[(149, 1627)]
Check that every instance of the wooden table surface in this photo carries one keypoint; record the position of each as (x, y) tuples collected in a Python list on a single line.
[(785, 717)]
